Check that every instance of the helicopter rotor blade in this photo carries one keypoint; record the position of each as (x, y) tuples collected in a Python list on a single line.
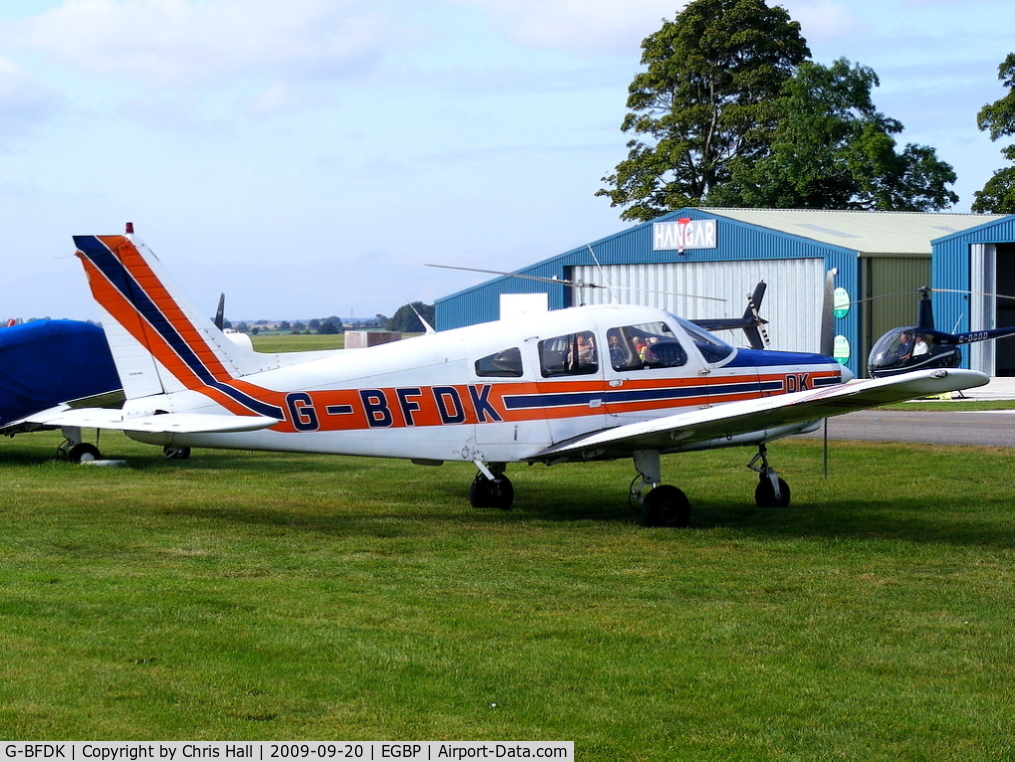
[(573, 283)]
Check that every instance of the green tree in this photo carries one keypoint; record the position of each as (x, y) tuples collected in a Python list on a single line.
[(998, 194), (406, 320), (704, 100), (832, 149)]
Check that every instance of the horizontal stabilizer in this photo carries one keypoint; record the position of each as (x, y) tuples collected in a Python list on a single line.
[(683, 430), (166, 423)]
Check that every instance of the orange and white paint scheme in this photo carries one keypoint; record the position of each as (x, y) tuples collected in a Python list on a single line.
[(578, 384)]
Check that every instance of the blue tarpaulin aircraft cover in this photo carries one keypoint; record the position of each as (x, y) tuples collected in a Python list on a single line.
[(48, 362)]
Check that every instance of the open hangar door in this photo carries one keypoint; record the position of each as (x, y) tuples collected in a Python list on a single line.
[(792, 303), (1004, 363), (992, 271), (888, 297)]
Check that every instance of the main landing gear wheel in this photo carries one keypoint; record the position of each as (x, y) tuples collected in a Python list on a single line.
[(666, 506), (176, 453), (771, 492), (495, 493), (765, 497), (83, 452)]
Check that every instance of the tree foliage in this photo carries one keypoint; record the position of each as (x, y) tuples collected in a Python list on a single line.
[(998, 119), (832, 149), (703, 101), (732, 113), (406, 320)]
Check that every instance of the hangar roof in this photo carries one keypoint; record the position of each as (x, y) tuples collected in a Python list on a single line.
[(868, 233)]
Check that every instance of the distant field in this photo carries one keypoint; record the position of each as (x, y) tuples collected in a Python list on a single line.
[(297, 343), (265, 596)]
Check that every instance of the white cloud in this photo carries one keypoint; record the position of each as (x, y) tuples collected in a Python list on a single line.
[(582, 26), (826, 20), (24, 102), (182, 43)]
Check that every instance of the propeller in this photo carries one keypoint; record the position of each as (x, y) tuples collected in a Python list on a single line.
[(827, 316), (220, 313)]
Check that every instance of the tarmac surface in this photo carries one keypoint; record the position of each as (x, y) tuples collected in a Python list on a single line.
[(952, 425)]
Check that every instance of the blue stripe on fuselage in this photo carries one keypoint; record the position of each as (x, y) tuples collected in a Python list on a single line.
[(618, 397)]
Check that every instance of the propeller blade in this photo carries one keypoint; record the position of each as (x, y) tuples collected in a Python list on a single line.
[(827, 317), (220, 313)]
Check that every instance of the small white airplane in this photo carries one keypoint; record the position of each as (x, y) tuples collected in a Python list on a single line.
[(578, 384)]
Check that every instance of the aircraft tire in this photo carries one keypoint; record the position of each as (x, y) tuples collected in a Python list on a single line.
[(83, 452), (484, 493), (666, 506), (764, 495), (176, 453)]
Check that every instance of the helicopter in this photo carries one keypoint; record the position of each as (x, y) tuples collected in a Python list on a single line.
[(920, 347)]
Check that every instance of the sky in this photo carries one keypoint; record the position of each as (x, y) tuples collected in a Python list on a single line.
[(308, 158)]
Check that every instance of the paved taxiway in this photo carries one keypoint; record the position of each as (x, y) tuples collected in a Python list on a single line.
[(952, 425)]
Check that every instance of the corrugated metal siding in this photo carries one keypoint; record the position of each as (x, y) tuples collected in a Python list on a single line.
[(736, 242), (792, 302)]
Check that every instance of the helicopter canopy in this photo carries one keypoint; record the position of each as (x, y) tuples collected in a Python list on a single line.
[(911, 347)]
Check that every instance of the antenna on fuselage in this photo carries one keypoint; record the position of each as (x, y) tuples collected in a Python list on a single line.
[(602, 274), (427, 328)]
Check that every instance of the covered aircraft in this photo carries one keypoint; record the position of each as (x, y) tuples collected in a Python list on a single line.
[(50, 362), (578, 384)]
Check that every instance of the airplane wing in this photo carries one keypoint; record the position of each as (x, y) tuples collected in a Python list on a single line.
[(165, 423), (771, 417)]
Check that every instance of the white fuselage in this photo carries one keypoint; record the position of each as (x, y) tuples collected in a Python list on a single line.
[(496, 392)]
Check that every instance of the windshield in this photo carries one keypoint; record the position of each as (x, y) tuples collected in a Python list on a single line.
[(892, 348), (712, 349)]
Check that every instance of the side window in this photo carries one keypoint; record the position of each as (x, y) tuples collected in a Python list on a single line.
[(647, 345), (504, 364), (569, 355)]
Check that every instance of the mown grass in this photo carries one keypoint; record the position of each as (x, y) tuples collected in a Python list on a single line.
[(266, 596), (302, 342)]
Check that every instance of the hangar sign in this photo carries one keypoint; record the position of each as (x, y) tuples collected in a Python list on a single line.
[(683, 234)]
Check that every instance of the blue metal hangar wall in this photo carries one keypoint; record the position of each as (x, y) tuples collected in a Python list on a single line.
[(703, 262)]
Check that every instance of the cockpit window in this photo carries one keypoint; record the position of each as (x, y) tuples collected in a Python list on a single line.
[(712, 349), (646, 345), (504, 364), (569, 355), (900, 345)]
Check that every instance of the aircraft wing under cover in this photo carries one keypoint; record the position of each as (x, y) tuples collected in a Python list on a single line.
[(165, 423), (774, 414)]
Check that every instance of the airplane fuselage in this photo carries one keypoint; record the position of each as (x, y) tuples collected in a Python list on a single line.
[(497, 392)]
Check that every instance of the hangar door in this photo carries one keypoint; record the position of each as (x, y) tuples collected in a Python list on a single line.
[(992, 272), (889, 296), (792, 303)]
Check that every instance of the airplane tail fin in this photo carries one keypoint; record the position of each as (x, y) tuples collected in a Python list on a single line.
[(160, 342)]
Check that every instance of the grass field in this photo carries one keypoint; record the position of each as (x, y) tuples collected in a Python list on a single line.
[(302, 342), (262, 596)]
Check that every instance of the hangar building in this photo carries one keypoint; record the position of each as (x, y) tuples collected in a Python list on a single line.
[(703, 262)]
